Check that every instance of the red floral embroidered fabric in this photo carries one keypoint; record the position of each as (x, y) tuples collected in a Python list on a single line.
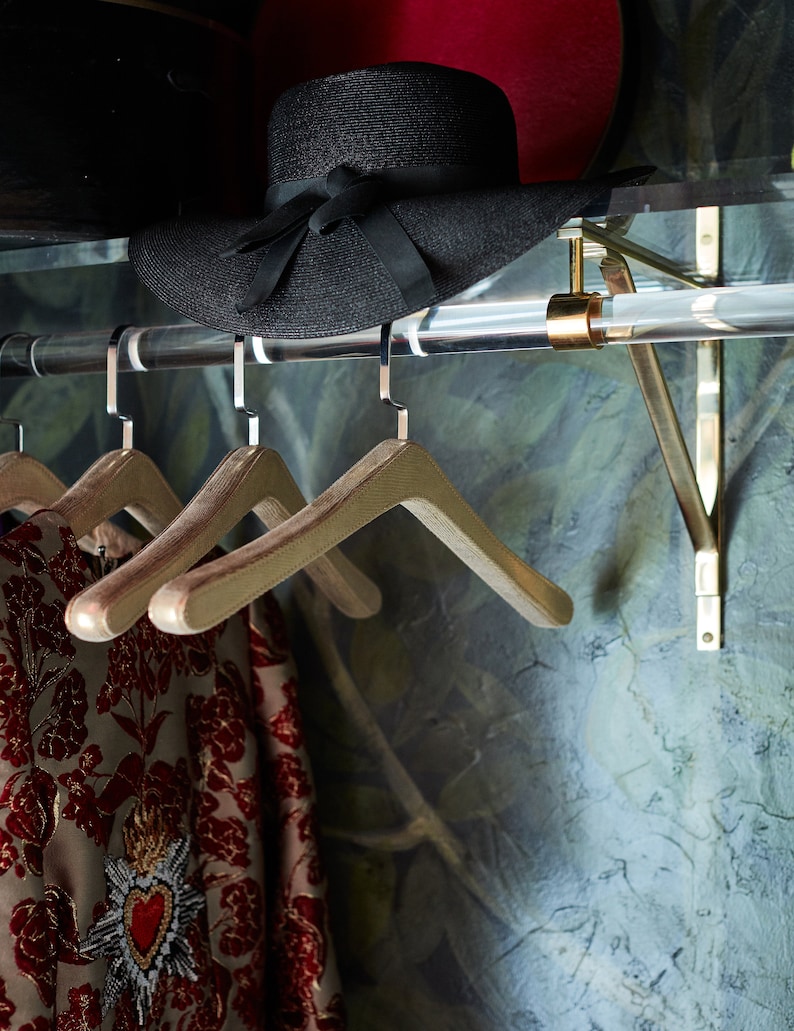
[(158, 850)]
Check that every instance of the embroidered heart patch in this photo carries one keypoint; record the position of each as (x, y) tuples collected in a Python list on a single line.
[(147, 915), (144, 932)]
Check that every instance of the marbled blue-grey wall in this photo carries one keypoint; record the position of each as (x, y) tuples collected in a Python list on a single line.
[(588, 829)]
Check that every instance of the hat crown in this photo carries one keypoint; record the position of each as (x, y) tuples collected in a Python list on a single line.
[(392, 116)]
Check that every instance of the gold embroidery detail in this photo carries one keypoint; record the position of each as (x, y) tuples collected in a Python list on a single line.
[(145, 839)]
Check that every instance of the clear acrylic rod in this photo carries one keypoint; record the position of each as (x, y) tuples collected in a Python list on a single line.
[(718, 313)]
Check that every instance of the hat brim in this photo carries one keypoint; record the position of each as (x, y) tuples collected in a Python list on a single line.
[(335, 283)]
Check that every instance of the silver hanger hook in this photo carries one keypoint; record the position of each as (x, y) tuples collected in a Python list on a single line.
[(239, 391), (113, 388), (19, 433), (385, 382)]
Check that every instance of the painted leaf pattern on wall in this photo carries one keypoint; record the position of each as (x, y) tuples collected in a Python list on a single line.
[(549, 831)]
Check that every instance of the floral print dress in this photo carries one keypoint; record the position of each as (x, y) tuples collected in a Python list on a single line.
[(158, 848)]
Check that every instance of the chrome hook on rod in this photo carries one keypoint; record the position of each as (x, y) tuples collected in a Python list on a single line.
[(239, 391), (385, 382), (127, 425), (19, 432)]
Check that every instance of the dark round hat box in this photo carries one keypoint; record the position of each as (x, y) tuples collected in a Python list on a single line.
[(116, 114)]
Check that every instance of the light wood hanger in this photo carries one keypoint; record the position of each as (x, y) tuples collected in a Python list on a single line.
[(252, 478), (122, 480), (125, 479), (27, 485), (395, 472)]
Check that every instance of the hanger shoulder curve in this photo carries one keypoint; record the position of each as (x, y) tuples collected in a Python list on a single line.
[(248, 479), (394, 472), (123, 479), (26, 484), (439, 506)]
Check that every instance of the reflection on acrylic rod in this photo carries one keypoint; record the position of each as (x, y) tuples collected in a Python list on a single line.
[(718, 313)]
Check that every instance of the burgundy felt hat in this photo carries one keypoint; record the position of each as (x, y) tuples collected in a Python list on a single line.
[(391, 188), (560, 62)]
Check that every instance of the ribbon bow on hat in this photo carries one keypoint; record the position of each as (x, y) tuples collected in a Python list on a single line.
[(319, 208)]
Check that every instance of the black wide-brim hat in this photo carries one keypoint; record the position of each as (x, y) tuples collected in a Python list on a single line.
[(391, 189)]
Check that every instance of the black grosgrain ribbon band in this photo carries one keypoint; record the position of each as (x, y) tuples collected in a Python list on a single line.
[(320, 205)]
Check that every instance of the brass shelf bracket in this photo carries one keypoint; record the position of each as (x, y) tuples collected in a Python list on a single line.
[(572, 322)]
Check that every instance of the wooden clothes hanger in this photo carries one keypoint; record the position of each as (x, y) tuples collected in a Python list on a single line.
[(395, 472), (27, 485), (249, 479), (122, 480), (125, 479)]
